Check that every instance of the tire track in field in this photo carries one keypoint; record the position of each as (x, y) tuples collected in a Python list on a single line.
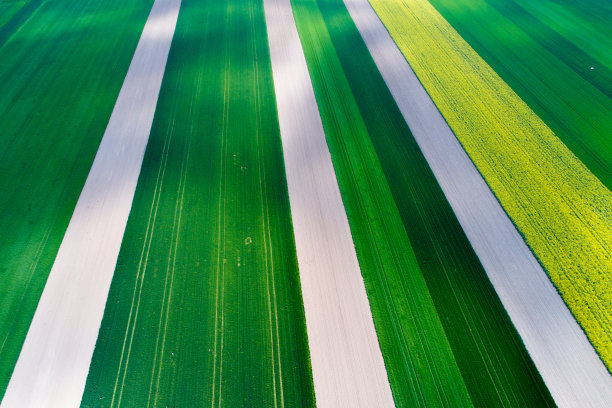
[(142, 266), (221, 234), (170, 270), (178, 212), (267, 239)]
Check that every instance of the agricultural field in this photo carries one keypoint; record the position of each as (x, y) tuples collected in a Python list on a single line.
[(205, 306), (293, 239), (556, 65), (407, 237), (55, 104), (15, 12), (347, 363), (563, 211)]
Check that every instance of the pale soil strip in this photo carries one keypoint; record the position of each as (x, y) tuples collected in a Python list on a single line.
[(347, 364), (571, 369), (52, 368)]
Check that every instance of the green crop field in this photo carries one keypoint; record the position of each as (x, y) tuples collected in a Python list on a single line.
[(8, 8), (549, 66), (586, 24), (205, 306), (446, 338), (15, 12), (55, 105)]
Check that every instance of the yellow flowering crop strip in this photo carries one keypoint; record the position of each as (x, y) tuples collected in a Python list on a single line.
[(563, 211)]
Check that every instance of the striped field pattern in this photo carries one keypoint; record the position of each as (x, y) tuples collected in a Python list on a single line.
[(290, 237)]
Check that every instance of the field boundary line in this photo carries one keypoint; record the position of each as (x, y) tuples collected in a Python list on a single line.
[(347, 364), (54, 362), (566, 360)]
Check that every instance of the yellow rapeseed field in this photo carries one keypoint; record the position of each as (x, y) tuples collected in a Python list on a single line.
[(563, 211)]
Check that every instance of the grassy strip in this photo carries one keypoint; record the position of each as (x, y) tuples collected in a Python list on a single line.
[(8, 8), (561, 44), (586, 24), (563, 211), (13, 14), (62, 72), (440, 324), (205, 305), (552, 75)]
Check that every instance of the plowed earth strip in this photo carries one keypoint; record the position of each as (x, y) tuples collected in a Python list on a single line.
[(52, 368), (347, 364)]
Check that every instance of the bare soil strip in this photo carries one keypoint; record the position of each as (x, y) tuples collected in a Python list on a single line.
[(347, 364), (571, 369), (54, 361)]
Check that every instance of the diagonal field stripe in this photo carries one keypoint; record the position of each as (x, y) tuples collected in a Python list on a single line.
[(347, 364), (52, 368), (569, 366)]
